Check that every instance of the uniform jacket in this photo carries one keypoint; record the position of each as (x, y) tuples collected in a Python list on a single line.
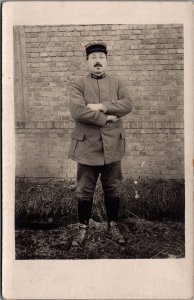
[(94, 141)]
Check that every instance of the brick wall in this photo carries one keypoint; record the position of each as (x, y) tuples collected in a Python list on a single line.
[(149, 58)]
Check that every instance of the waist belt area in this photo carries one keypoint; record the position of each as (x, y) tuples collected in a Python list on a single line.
[(116, 124)]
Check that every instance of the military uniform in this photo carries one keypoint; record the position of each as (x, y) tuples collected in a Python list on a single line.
[(94, 141), (97, 145)]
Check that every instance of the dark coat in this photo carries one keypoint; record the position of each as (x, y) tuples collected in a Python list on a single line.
[(95, 142)]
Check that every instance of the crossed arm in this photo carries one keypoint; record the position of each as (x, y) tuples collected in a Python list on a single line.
[(80, 112), (101, 113), (118, 108)]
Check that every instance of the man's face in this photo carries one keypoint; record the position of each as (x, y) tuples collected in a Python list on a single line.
[(97, 62)]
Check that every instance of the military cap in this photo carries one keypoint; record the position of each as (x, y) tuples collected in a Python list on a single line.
[(96, 47)]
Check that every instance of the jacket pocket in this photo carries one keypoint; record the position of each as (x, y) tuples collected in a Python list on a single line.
[(78, 135)]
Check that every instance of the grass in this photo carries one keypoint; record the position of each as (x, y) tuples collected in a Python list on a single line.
[(55, 201), (151, 220)]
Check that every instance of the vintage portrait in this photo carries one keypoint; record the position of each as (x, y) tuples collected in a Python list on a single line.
[(99, 116), (97, 150)]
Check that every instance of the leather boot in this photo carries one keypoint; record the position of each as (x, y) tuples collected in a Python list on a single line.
[(84, 214), (112, 207), (81, 235), (84, 210), (115, 232)]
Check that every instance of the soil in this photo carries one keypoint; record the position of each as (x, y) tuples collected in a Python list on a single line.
[(144, 239)]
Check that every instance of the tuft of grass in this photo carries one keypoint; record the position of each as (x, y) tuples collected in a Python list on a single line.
[(55, 202), (154, 199), (46, 202)]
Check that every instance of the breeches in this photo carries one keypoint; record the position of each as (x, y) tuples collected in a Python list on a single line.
[(87, 176)]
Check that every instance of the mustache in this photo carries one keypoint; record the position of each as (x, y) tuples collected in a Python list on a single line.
[(97, 65)]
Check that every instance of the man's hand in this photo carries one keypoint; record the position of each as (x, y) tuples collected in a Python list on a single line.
[(111, 118), (102, 108), (97, 107)]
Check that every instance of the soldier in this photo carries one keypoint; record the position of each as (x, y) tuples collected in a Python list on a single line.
[(97, 103)]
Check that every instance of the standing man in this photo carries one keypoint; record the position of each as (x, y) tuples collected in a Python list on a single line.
[(97, 103)]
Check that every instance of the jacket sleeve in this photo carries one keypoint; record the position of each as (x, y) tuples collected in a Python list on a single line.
[(123, 105), (79, 111)]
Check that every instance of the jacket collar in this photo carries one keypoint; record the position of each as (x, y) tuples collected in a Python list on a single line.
[(94, 76)]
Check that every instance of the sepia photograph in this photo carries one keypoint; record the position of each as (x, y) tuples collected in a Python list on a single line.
[(99, 116), (97, 150)]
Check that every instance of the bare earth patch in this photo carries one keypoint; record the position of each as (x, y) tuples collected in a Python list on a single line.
[(144, 239)]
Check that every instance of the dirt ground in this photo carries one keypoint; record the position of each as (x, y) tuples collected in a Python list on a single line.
[(144, 239)]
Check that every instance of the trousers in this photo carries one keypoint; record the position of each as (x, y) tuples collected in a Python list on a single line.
[(87, 176)]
